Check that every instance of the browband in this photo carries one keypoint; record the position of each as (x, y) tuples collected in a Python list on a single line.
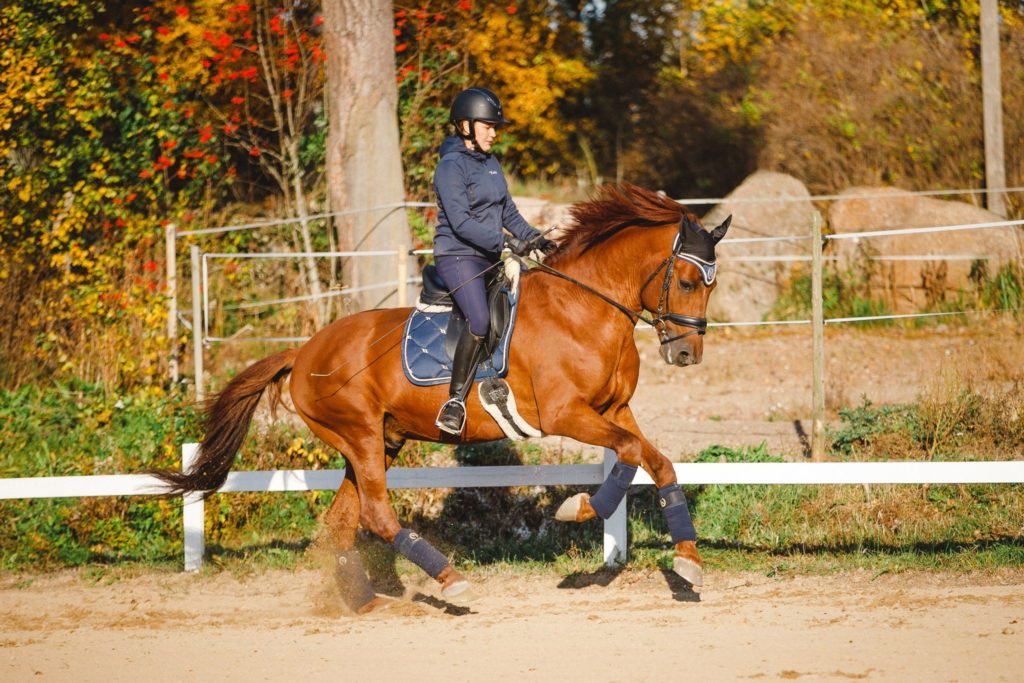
[(707, 270)]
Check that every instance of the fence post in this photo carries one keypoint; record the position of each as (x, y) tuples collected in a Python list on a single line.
[(197, 326), (992, 108), (192, 515), (818, 344), (170, 242), (615, 526), (403, 275)]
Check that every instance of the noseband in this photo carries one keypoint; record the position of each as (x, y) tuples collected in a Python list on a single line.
[(699, 325)]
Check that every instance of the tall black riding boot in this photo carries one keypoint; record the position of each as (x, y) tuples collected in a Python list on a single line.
[(468, 351)]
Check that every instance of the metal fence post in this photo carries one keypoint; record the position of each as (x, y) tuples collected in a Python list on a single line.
[(615, 526), (198, 327), (170, 244), (192, 515), (818, 343)]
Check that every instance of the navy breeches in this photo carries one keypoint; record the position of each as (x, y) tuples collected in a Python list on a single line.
[(463, 276)]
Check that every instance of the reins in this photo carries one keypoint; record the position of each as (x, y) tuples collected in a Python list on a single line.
[(544, 268), (699, 325)]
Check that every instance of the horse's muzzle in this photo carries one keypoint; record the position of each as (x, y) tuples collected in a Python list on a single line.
[(681, 355)]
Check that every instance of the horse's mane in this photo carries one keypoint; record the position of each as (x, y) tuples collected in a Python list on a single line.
[(611, 209)]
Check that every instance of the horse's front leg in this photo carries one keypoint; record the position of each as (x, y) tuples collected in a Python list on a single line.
[(620, 432), (687, 562)]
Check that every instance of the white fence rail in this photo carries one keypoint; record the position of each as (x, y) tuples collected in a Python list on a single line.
[(615, 536)]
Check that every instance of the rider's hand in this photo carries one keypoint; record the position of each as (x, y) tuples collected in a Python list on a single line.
[(544, 245), (519, 247)]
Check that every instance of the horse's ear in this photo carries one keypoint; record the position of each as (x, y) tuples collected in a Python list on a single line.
[(687, 222), (718, 233)]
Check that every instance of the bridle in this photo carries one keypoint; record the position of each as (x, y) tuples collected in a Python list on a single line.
[(699, 325)]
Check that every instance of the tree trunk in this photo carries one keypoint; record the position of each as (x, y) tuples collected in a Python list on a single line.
[(364, 163)]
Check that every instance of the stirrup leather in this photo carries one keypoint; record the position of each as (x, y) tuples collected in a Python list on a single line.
[(452, 416)]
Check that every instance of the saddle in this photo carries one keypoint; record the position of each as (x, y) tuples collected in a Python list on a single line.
[(435, 297), (434, 328)]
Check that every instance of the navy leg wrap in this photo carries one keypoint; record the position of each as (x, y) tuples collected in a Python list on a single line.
[(356, 589), (673, 503), (419, 551), (613, 489)]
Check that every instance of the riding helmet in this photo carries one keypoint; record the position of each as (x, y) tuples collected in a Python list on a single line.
[(477, 104)]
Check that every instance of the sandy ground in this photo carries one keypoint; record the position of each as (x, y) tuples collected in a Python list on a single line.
[(626, 627)]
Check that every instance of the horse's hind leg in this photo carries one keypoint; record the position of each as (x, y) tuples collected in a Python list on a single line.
[(340, 524), (379, 517)]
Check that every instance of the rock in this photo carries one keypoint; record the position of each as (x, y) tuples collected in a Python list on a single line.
[(542, 214), (747, 289), (917, 281)]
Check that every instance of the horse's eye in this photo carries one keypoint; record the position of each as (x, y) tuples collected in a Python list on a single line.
[(687, 285)]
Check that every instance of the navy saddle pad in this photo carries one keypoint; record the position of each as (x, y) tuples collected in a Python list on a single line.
[(425, 360)]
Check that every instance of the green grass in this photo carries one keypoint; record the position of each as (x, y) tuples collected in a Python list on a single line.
[(854, 293), (844, 295)]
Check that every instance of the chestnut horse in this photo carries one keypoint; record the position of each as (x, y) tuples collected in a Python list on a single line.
[(573, 368)]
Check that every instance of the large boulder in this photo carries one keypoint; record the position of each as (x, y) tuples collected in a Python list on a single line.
[(912, 272), (766, 204), (543, 214)]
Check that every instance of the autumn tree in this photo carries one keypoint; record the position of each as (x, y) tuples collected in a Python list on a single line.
[(364, 162), (94, 130), (264, 91), (529, 52)]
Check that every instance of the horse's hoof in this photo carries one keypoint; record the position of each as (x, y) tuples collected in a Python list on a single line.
[(576, 509), (454, 585), (459, 589), (687, 564), (378, 603), (690, 571)]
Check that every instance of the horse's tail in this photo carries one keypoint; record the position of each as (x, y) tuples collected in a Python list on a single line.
[(228, 415)]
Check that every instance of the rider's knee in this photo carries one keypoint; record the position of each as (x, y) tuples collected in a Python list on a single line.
[(480, 328)]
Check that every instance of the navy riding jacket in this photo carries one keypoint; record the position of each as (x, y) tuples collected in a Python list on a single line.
[(473, 204)]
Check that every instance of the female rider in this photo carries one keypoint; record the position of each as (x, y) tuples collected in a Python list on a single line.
[(474, 205)]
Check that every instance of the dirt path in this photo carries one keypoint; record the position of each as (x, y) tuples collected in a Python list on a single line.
[(637, 627)]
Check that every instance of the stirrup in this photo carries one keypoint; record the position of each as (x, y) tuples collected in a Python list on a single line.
[(452, 416)]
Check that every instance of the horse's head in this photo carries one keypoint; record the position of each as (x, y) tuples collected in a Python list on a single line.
[(686, 284)]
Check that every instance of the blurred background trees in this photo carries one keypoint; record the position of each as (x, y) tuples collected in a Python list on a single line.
[(117, 118)]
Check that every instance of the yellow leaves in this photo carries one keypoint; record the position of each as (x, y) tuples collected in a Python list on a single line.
[(517, 54), (315, 457), (296, 447)]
